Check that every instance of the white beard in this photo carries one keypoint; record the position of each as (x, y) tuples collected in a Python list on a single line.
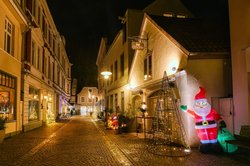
[(204, 111)]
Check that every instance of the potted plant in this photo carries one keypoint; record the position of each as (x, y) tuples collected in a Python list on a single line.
[(2, 127)]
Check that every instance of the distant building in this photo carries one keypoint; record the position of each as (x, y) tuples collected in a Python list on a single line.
[(73, 92), (87, 101)]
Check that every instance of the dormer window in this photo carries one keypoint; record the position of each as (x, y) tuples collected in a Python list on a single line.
[(168, 14), (181, 16)]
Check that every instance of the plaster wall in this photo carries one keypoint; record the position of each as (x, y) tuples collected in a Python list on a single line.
[(239, 16)]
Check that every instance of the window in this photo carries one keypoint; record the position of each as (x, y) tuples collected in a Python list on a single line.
[(116, 102), (45, 66), (43, 63), (7, 96), (82, 99), (112, 71), (39, 58), (49, 36), (33, 107), (122, 65), (53, 70), (148, 66), (58, 75), (39, 16), (49, 69), (8, 37), (34, 8), (122, 102), (59, 51), (116, 70), (33, 53), (63, 83)]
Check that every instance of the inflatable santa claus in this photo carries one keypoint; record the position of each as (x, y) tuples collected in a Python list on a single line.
[(205, 121)]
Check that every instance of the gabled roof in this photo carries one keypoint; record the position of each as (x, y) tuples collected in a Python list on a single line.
[(197, 35), (160, 7)]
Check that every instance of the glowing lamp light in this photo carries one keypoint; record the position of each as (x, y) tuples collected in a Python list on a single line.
[(106, 74), (187, 150), (143, 107)]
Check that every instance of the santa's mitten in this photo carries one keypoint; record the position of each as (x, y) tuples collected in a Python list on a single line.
[(222, 124), (183, 108)]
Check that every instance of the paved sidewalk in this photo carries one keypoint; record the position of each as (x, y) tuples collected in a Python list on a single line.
[(135, 149), (84, 141)]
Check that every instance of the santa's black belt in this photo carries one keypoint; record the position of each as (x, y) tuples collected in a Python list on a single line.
[(205, 123)]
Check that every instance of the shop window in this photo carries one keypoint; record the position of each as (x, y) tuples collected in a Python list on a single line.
[(33, 107), (7, 96)]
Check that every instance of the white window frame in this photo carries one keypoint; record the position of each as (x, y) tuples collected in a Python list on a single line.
[(8, 37)]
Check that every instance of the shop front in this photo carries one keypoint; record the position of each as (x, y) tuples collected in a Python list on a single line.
[(48, 111), (8, 102)]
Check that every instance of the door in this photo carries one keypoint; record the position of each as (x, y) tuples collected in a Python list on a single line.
[(224, 106)]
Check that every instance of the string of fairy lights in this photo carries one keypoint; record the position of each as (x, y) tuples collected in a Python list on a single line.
[(169, 137)]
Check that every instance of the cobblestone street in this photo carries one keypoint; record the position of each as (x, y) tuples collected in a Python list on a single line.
[(83, 141)]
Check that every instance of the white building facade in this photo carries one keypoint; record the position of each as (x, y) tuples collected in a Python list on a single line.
[(46, 68)]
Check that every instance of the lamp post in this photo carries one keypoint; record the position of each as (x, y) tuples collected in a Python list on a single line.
[(106, 75), (143, 110)]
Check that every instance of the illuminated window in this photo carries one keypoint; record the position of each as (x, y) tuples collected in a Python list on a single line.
[(168, 14), (33, 101), (7, 96), (148, 66)]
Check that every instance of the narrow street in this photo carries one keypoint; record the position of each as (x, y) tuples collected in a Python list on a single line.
[(83, 141)]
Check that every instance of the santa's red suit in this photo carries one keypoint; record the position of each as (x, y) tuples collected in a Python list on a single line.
[(205, 118), (206, 126)]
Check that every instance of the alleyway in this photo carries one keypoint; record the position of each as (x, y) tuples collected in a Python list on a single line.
[(83, 141)]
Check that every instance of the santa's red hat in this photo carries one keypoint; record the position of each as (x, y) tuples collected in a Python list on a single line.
[(201, 94)]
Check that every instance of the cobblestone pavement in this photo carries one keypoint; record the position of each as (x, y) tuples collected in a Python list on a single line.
[(83, 141)]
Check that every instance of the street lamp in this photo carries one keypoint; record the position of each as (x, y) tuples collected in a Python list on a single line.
[(143, 110), (106, 75)]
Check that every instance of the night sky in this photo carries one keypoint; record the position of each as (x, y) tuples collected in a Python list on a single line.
[(84, 22)]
